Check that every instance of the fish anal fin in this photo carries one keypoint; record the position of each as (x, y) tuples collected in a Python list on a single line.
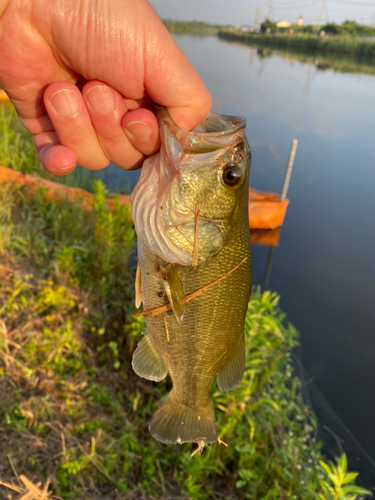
[(138, 283), (231, 374), (147, 363), (174, 291), (175, 423)]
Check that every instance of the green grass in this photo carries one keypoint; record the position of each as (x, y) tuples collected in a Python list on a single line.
[(17, 152), (192, 27), (354, 46), (72, 411)]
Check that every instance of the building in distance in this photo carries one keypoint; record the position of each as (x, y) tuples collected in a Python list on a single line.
[(300, 21), (283, 24)]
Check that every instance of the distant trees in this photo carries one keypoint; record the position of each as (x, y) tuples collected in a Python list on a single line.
[(268, 27), (349, 28)]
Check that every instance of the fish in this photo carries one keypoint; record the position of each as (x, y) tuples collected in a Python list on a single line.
[(190, 212)]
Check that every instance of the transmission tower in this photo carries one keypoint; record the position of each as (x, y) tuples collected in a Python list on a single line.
[(322, 12), (270, 14), (257, 18)]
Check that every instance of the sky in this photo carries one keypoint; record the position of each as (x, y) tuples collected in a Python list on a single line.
[(238, 12)]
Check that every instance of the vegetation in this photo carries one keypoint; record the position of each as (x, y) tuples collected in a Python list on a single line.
[(349, 28), (353, 46), (193, 27), (73, 415), (17, 152)]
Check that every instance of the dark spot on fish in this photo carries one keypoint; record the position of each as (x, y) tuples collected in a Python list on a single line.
[(161, 294), (161, 207), (175, 363), (165, 277)]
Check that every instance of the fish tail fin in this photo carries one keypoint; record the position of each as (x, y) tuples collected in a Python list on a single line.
[(175, 423)]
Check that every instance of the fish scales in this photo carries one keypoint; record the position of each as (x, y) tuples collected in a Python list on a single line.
[(207, 339)]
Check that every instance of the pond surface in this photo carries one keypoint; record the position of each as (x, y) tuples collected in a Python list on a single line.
[(324, 269)]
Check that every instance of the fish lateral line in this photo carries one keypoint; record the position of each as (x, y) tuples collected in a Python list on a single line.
[(194, 261), (151, 313)]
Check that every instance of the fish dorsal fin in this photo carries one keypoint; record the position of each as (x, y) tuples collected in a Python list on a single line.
[(231, 374), (147, 363), (138, 290), (174, 290)]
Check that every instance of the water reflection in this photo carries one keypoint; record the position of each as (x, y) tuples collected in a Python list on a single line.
[(337, 62)]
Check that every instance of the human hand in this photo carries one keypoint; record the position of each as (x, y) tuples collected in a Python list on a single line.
[(121, 53)]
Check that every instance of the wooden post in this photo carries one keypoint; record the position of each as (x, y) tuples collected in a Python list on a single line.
[(289, 169)]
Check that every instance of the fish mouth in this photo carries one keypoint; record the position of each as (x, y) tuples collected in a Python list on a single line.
[(214, 132)]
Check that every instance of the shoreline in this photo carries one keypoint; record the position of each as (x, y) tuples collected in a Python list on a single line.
[(309, 44)]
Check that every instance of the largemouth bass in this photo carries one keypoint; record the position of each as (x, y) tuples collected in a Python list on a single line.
[(190, 212)]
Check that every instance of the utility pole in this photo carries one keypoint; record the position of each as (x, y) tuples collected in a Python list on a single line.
[(270, 14)]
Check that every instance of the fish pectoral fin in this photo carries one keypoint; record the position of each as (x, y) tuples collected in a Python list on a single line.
[(231, 374), (174, 291), (138, 282), (147, 363)]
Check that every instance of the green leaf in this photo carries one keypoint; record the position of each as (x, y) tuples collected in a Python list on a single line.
[(356, 489), (349, 477), (325, 466), (241, 483), (344, 463)]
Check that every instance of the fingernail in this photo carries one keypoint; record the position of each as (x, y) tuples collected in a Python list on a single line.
[(138, 130), (67, 169), (101, 99), (65, 102)]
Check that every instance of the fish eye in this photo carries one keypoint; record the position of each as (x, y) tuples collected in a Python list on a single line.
[(231, 174)]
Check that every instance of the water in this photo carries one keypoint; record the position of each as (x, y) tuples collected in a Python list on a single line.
[(324, 269)]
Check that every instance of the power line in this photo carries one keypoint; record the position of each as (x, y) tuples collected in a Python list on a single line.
[(298, 4), (295, 5), (353, 3)]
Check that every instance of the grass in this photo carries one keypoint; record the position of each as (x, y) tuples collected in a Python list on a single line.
[(192, 27), (73, 415), (356, 47), (17, 152)]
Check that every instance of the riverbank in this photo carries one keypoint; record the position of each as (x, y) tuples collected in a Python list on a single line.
[(355, 47), (192, 27)]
